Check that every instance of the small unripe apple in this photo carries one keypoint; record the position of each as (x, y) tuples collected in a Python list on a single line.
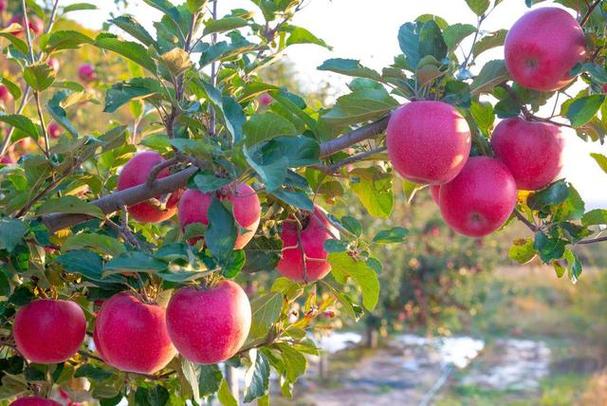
[(5, 96), (136, 172), (265, 99), (480, 199), (132, 336), (304, 258), (428, 141), (86, 73), (209, 325), (434, 192), (34, 401), (54, 130), (531, 150), (542, 47), (53, 63), (49, 331), (194, 206)]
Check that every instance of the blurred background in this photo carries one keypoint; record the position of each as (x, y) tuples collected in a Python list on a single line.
[(458, 322)]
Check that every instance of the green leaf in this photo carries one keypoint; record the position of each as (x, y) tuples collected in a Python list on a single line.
[(5, 284), (59, 40), (493, 40), (137, 88), (209, 380), (295, 362), (128, 49), (343, 266), (601, 160), (176, 61), (554, 194), (70, 205), (483, 115), (93, 372), (332, 245), (455, 34), (265, 126), (87, 264), (19, 44), (224, 395), (522, 250), (349, 67), (574, 265), (352, 225), (572, 208), (262, 254), (12, 232), (224, 24), (265, 311), (155, 396), (134, 261), (195, 5), (100, 243), (360, 106), (208, 182), (408, 40), (583, 109), (79, 7), (58, 112), (390, 236), (12, 87), (257, 378), (300, 35), (39, 76), (595, 217), (492, 74), (21, 123), (431, 41), (221, 232), (549, 248), (479, 7), (296, 199), (129, 25), (374, 189)]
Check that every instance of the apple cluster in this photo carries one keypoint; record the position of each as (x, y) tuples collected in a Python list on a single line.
[(429, 142)]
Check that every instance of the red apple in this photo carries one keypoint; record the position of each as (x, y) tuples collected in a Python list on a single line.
[(194, 206), (135, 173), (531, 151), (210, 325), (428, 141), (3, 4), (480, 199), (542, 47), (308, 243), (265, 99), (5, 96), (6, 160), (435, 192), (86, 73), (132, 336), (53, 63), (34, 401), (49, 331), (36, 24), (54, 130)]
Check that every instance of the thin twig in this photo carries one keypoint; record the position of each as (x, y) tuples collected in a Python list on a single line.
[(329, 169), (158, 168), (589, 12), (525, 221)]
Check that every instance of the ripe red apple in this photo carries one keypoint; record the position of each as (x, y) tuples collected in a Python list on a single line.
[(132, 336), (5, 96), (194, 206), (265, 99), (542, 47), (434, 192), (54, 130), (135, 173), (209, 325), (49, 331), (531, 151), (34, 401), (308, 243), (53, 63), (86, 73), (36, 24), (428, 141), (3, 4), (480, 199)]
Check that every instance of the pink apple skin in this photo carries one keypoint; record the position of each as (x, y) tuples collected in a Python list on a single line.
[(435, 193), (54, 64), (265, 99), (531, 151), (209, 325), (313, 238), (3, 5), (7, 160), (49, 331), (86, 73), (428, 142), (542, 47), (480, 199), (36, 24), (54, 130), (34, 401), (135, 173), (5, 96), (194, 206), (132, 336)]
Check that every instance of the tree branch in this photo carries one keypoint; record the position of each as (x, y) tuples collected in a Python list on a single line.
[(329, 169), (589, 13), (353, 137), (525, 221)]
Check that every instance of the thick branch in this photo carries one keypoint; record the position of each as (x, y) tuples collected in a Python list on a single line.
[(356, 136)]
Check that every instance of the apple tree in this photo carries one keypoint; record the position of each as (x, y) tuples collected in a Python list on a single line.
[(124, 251)]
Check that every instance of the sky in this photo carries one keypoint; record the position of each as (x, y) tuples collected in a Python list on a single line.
[(367, 30)]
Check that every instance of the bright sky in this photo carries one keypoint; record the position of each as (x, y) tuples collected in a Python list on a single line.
[(367, 30)]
